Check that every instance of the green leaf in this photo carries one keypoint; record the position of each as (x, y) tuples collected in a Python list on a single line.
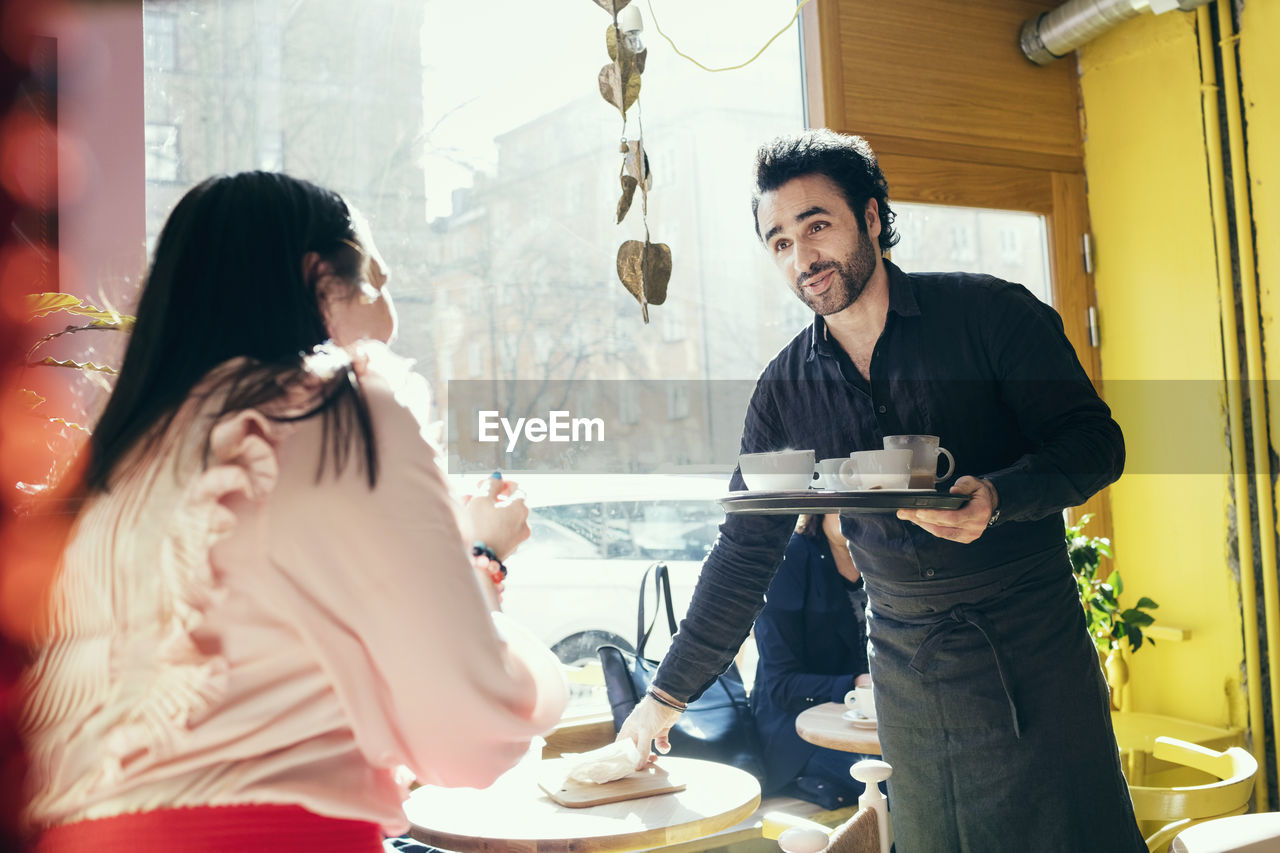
[(78, 365), (29, 399), (43, 304), (1146, 603), (70, 424), (1133, 616)]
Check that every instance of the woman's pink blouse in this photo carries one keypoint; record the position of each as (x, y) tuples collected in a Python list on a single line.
[(240, 631)]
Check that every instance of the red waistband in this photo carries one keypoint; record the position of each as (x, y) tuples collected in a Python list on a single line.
[(215, 829)]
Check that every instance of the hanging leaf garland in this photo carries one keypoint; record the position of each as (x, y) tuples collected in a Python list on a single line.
[(619, 90), (628, 193), (635, 173), (636, 164), (632, 52), (644, 267)]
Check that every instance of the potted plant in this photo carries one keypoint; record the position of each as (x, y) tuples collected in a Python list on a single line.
[(1108, 622), (59, 435)]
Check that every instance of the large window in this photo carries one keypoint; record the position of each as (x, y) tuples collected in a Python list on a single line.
[(1009, 244), (474, 138)]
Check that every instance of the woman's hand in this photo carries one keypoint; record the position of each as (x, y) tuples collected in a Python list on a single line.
[(499, 518)]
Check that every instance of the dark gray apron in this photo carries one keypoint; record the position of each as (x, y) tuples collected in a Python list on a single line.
[(995, 715)]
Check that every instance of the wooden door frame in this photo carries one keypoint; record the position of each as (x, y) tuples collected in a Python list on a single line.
[(924, 172)]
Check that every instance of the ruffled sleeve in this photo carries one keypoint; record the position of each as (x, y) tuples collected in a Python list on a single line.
[(383, 591), (127, 676), (186, 679)]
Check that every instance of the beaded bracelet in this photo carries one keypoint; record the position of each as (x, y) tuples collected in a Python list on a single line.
[(485, 558), (479, 549)]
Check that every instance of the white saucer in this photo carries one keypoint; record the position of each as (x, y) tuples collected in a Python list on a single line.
[(858, 719)]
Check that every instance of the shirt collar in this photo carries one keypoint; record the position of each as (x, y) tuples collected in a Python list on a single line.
[(902, 292), (902, 301)]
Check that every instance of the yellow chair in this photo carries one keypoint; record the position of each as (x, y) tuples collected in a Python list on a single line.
[(868, 831), (1177, 808), (1136, 735)]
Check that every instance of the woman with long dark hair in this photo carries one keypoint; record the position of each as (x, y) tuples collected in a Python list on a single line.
[(269, 603)]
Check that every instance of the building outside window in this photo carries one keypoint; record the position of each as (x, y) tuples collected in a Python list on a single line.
[(495, 174), (677, 401), (672, 326), (163, 156), (160, 51)]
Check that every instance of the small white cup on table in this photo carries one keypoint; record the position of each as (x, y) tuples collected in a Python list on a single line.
[(861, 701)]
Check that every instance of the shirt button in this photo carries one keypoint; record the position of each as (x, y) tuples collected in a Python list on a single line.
[(883, 409), (928, 573)]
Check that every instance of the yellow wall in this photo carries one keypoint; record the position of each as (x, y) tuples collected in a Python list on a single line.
[(1260, 68), (1260, 81), (1162, 358)]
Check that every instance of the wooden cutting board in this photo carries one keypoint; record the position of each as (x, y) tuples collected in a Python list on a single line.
[(649, 782)]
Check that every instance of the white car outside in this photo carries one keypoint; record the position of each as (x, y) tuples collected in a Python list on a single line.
[(576, 581)]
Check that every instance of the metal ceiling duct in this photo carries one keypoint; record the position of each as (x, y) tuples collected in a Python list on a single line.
[(1053, 34)]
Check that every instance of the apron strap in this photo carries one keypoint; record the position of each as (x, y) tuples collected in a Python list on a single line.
[(960, 615)]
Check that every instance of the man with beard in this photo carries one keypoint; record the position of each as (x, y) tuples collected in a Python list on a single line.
[(992, 707)]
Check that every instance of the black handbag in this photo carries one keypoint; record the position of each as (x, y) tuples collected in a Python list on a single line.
[(718, 726)]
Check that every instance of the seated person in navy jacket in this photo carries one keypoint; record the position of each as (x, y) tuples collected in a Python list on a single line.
[(812, 641)]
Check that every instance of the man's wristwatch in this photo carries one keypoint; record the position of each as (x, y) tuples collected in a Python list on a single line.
[(995, 513)]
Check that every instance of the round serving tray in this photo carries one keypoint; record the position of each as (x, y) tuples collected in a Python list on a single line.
[(814, 501)]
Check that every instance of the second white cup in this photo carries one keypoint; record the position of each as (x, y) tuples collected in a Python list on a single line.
[(876, 469), (861, 700), (828, 473)]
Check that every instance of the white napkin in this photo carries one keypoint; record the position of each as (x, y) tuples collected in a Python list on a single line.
[(605, 764)]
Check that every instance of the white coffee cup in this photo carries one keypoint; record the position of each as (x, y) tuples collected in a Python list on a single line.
[(828, 471), (876, 469), (777, 471), (861, 700), (924, 458)]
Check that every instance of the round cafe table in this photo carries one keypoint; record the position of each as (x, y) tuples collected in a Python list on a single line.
[(514, 814), (1246, 833), (825, 725)]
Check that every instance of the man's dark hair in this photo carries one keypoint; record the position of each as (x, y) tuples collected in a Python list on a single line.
[(846, 159)]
